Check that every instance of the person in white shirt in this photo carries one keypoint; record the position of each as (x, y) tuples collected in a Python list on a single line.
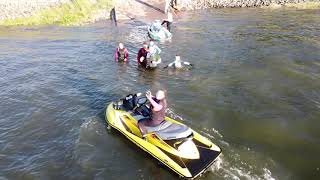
[(169, 19), (178, 64)]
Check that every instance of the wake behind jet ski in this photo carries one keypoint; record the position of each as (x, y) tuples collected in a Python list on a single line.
[(172, 143)]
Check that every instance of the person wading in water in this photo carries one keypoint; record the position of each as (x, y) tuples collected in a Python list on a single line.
[(169, 19), (142, 55), (121, 54)]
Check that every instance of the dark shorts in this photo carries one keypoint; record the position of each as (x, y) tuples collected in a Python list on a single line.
[(168, 24)]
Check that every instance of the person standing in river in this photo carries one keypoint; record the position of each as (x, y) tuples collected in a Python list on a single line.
[(169, 19), (178, 64), (142, 55), (121, 54)]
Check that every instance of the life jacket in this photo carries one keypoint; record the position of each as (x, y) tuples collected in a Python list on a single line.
[(121, 55)]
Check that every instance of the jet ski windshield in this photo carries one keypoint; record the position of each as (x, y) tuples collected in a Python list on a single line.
[(131, 102)]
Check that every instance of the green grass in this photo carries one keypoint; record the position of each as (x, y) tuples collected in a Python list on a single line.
[(76, 12), (304, 5)]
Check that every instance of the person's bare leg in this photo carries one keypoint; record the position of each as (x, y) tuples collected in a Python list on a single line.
[(166, 7)]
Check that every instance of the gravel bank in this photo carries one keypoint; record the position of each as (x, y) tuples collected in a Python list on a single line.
[(11, 9), (202, 4), (128, 9)]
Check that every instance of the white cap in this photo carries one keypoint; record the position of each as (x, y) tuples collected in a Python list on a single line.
[(121, 46), (160, 95)]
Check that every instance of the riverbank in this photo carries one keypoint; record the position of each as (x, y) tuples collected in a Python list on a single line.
[(79, 12), (12, 9), (204, 4), (58, 12)]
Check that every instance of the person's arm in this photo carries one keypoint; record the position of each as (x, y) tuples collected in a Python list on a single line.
[(156, 106), (187, 63), (116, 55), (169, 65), (139, 56), (158, 49), (126, 55)]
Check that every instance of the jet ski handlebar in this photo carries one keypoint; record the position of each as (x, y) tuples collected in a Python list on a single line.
[(131, 102)]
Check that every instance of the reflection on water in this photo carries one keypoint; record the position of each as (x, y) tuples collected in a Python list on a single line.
[(255, 91)]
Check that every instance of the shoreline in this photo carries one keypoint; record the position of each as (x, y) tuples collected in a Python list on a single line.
[(205, 4), (54, 12), (80, 12)]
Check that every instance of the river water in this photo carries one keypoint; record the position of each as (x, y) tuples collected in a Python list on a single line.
[(254, 91)]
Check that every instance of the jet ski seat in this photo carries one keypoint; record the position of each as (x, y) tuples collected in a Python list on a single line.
[(168, 130)]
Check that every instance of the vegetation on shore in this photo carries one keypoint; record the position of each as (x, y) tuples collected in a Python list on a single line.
[(78, 12), (304, 5), (73, 13)]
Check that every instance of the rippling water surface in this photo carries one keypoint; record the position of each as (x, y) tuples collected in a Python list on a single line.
[(255, 91)]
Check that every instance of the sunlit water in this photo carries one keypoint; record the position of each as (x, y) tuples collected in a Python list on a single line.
[(254, 91)]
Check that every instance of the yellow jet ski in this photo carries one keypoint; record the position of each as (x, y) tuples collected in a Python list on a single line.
[(174, 144)]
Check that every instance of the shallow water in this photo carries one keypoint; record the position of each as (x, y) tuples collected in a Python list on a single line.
[(255, 91)]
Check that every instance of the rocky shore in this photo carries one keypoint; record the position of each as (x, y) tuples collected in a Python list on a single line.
[(11, 9), (202, 4)]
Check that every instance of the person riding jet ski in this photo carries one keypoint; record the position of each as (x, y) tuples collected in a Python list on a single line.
[(175, 145), (121, 54), (158, 108), (178, 64)]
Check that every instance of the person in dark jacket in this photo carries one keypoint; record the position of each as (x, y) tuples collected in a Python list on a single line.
[(142, 55)]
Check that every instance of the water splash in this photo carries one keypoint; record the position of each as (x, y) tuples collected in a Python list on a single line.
[(170, 112)]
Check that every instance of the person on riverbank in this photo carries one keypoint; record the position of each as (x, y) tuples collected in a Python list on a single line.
[(121, 54), (153, 55), (178, 64), (170, 3), (142, 55), (169, 19), (158, 109)]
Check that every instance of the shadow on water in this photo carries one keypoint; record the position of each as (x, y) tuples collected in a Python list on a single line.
[(96, 98)]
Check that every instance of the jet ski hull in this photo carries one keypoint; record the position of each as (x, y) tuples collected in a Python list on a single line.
[(161, 149)]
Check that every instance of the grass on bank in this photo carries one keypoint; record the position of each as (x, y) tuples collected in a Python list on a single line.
[(304, 5), (75, 12)]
